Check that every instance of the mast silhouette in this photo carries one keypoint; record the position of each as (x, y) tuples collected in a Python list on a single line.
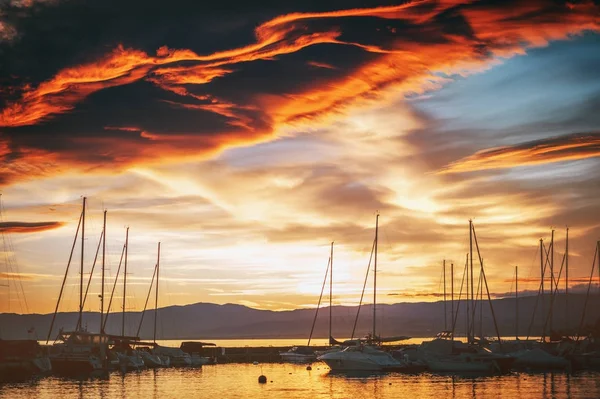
[(103, 268), (452, 297), (81, 264), (517, 302), (330, 290), (125, 281), (156, 298), (445, 309), (375, 278), (567, 283), (551, 280)]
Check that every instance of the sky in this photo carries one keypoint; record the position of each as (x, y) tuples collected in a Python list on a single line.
[(248, 137)]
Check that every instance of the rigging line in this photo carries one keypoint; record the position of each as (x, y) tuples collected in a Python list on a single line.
[(587, 295), (478, 298), (554, 292), (113, 289), (90, 278), (319, 304), (462, 282), (146, 304), (363, 291), (487, 288), (64, 279)]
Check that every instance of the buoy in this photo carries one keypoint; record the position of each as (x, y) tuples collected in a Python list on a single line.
[(308, 368), (262, 379)]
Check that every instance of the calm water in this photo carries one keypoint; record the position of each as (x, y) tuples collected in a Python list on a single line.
[(294, 381)]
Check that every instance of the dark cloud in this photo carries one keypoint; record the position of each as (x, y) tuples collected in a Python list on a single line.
[(188, 78), (28, 227)]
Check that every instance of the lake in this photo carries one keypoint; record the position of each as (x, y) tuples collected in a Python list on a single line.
[(294, 381)]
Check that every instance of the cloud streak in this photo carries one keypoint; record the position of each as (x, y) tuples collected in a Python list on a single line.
[(28, 227), (555, 149)]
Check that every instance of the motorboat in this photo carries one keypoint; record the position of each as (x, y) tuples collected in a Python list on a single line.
[(176, 356), (298, 354), (362, 358)]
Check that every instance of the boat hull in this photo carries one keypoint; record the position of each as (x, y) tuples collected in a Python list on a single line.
[(76, 366), (297, 357), (352, 365)]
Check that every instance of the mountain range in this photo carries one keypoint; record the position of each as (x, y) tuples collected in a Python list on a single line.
[(230, 321)]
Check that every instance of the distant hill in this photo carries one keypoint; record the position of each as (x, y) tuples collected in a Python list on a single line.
[(211, 321)]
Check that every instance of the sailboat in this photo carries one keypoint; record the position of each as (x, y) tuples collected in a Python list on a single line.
[(365, 356), (444, 354), (168, 356), (304, 354), (77, 352), (128, 358)]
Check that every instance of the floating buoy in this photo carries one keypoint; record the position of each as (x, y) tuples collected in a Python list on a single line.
[(308, 368), (262, 379)]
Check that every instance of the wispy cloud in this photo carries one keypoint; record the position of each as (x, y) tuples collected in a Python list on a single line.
[(555, 149)]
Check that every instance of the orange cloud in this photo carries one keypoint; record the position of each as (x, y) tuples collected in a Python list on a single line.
[(28, 227), (402, 64), (555, 149)]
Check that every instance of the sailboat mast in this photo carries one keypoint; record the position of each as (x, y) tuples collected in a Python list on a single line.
[(567, 283), (125, 281), (551, 280), (452, 297), (517, 302), (156, 298), (542, 281), (330, 289), (445, 309), (81, 264), (469, 335), (103, 268), (375, 278)]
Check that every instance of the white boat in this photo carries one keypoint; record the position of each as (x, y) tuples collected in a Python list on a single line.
[(298, 354), (176, 356), (131, 362), (153, 361), (197, 351), (362, 358)]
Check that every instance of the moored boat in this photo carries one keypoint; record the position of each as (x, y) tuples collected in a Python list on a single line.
[(298, 354)]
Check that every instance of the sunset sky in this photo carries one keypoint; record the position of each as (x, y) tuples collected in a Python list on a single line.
[(246, 137)]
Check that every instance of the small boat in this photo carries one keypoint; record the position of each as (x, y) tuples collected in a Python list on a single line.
[(176, 356), (196, 352), (152, 360), (362, 358), (298, 354), (128, 359)]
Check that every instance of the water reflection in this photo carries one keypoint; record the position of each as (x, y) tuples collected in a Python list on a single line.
[(294, 381)]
